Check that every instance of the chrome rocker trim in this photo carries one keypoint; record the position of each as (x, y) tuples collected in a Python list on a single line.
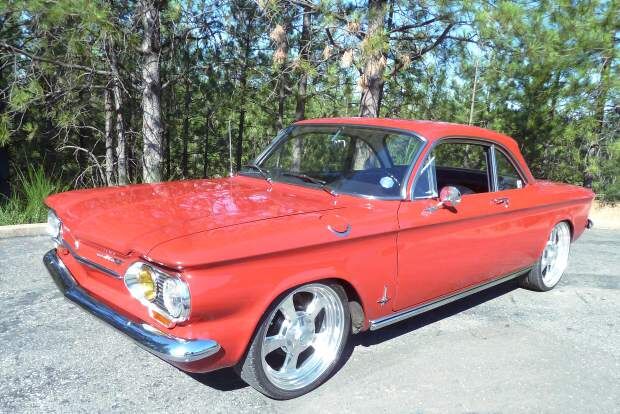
[(168, 348), (425, 307)]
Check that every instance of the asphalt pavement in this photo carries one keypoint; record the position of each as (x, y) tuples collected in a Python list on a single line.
[(505, 350)]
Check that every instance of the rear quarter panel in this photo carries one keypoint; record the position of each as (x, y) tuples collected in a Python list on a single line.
[(533, 212), (563, 202)]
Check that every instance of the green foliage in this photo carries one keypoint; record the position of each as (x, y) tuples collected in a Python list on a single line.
[(5, 129), (547, 74), (26, 206), (21, 97)]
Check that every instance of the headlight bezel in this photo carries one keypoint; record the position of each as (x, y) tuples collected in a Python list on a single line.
[(157, 306), (54, 225)]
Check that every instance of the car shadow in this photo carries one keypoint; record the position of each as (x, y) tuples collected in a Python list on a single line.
[(228, 380), (371, 338), (222, 380)]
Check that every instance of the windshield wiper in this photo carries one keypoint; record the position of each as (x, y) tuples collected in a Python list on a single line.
[(321, 183), (262, 171)]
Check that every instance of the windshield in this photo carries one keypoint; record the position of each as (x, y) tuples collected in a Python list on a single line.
[(357, 160)]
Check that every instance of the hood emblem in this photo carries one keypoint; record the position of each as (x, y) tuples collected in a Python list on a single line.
[(109, 258)]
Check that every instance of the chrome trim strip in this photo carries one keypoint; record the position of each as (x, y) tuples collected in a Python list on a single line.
[(408, 313), (493, 169), (89, 263), (510, 159), (272, 144), (167, 347)]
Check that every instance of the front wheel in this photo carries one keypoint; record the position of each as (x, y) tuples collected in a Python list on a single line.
[(299, 341), (549, 269)]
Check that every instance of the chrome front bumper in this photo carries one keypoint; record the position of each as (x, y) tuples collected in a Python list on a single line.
[(167, 347)]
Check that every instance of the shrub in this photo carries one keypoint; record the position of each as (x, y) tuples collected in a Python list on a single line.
[(26, 203)]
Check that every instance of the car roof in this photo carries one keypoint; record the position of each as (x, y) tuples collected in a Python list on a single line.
[(431, 130)]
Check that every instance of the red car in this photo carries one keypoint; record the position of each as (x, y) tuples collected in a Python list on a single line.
[(339, 226)]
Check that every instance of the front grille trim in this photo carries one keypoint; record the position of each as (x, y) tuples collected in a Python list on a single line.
[(91, 264)]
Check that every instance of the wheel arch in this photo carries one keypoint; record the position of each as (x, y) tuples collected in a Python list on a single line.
[(563, 218), (571, 227), (352, 292), (349, 289)]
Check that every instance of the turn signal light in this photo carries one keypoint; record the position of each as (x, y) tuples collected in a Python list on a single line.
[(161, 318)]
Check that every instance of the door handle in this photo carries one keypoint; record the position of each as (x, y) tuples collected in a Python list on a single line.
[(502, 200)]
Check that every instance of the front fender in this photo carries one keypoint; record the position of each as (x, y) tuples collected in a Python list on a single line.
[(247, 267)]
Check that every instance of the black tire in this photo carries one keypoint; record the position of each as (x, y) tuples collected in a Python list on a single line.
[(532, 280), (535, 279), (251, 369)]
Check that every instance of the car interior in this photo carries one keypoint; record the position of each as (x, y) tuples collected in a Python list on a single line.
[(372, 162), (467, 181)]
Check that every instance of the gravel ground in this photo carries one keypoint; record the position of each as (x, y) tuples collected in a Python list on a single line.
[(503, 350)]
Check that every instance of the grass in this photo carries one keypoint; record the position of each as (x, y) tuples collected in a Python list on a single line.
[(26, 203)]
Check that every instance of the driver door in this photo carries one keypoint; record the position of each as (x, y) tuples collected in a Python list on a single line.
[(444, 250)]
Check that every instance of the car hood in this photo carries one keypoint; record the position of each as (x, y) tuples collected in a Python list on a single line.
[(139, 217)]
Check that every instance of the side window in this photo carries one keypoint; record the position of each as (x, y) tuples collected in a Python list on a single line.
[(461, 156), (425, 185), (508, 177), (461, 165)]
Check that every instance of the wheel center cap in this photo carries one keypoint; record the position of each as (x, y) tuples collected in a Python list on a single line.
[(300, 333)]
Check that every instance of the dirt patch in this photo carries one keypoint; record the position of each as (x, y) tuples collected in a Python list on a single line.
[(605, 216)]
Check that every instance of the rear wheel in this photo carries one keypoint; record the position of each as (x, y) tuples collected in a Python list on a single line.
[(299, 342), (549, 269)]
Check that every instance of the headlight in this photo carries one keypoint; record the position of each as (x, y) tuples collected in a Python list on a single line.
[(53, 224), (163, 294), (176, 297), (141, 282)]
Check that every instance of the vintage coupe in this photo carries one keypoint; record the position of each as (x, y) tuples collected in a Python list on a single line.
[(339, 226)]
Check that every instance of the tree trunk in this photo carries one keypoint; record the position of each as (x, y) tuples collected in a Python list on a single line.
[(473, 93), (240, 138), (304, 53), (5, 188), (281, 101), (185, 137), (205, 167), (371, 80), (109, 138), (121, 142), (281, 56), (601, 99), (152, 130), (243, 81), (300, 106), (167, 170)]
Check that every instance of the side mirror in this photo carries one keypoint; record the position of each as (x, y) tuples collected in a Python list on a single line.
[(449, 197)]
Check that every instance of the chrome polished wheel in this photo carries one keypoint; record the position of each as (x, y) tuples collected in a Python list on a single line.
[(303, 337), (555, 256)]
